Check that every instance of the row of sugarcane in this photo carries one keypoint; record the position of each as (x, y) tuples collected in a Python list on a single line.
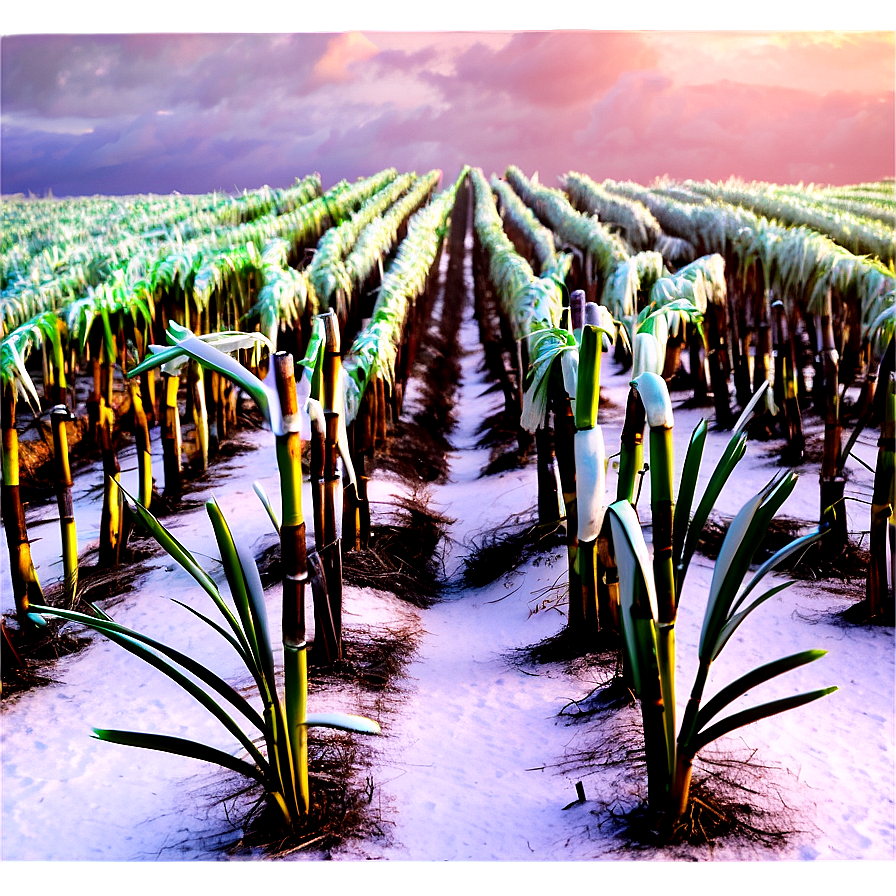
[(336, 395), (782, 278), (625, 592), (117, 316), (95, 251), (112, 321), (47, 328), (870, 233), (761, 260)]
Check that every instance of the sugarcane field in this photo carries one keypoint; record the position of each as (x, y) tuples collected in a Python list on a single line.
[(536, 509)]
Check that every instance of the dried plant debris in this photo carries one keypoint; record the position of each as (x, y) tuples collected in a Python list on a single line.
[(372, 658), (735, 799), (577, 655), (342, 807), (417, 448), (500, 433), (506, 547), (404, 555), (415, 452), (732, 799)]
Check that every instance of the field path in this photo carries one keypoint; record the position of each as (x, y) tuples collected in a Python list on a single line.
[(457, 787)]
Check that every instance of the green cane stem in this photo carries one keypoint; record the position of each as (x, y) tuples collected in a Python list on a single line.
[(58, 417), (294, 560)]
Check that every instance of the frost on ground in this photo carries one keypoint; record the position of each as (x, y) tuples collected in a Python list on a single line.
[(476, 763)]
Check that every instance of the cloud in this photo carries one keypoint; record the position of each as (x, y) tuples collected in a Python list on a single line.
[(754, 131), (817, 61), (97, 76), (552, 69), (124, 114), (342, 51)]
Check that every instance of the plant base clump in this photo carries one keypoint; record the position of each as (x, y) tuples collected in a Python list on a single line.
[(403, 555), (598, 652), (812, 564), (499, 432), (341, 807), (734, 799), (373, 658), (506, 547), (731, 801)]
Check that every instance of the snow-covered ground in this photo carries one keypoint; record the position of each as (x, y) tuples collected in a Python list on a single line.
[(467, 768)]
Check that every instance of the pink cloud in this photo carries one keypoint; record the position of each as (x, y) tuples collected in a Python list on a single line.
[(342, 51), (756, 132), (554, 68)]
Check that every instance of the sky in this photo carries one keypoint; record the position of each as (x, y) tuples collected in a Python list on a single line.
[(142, 112)]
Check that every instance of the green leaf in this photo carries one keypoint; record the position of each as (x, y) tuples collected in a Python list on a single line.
[(247, 592), (220, 630), (756, 677), (686, 490), (747, 412), (588, 384), (545, 346), (180, 747), (264, 396), (176, 550), (637, 596), (731, 457), (739, 719), (735, 619), (262, 496), (172, 546), (778, 557), (134, 641), (654, 395), (738, 547)]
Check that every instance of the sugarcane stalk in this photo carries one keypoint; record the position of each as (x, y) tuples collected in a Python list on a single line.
[(719, 364), (762, 352), (696, 355), (631, 455), (59, 415), (212, 390), (549, 509), (879, 594), (316, 476), (200, 413), (588, 480), (785, 387), (740, 342), (142, 440), (95, 397), (831, 480), (331, 550), (351, 499), (379, 384), (658, 411), (111, 516), (564, 441), (25, 585), (295, 573), (171, 442)]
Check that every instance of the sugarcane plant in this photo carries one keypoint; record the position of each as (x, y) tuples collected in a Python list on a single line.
[(283, 768), (649, 598), (16, 382), (880, 585)]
